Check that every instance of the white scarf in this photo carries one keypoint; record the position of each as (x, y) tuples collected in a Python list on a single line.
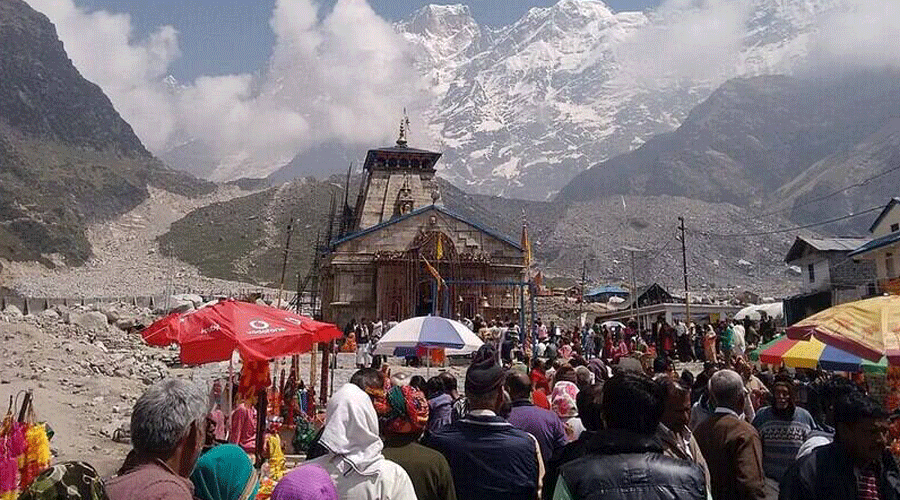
[(351, 430)]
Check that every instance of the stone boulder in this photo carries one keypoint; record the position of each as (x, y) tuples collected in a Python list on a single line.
[(194, 299), (12, 310), (126, 324), (91, 320), (50, 314)]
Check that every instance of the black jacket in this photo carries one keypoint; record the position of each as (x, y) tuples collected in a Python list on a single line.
[(828, 473), (572, 451), (628, 466)]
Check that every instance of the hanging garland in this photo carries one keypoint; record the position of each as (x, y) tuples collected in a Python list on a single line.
[(24, 450)]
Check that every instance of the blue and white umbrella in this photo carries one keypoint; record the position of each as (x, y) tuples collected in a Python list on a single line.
[(428, 332)]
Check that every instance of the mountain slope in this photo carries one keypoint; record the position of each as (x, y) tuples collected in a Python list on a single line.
[(871, 169), (66, 156), (751, 137)]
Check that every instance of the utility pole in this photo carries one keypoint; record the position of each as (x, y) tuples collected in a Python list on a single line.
[(634, 292), (583, 284), (287, 249), (687, 295)]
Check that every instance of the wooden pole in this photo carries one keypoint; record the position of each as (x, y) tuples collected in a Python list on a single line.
[(326, 374), (312, 367), (229, 406), (262, 404), (26, 402)]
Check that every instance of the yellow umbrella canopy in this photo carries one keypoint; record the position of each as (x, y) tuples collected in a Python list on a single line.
[(868, 328)]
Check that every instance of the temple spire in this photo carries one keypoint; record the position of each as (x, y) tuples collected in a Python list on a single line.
[(404, 130)]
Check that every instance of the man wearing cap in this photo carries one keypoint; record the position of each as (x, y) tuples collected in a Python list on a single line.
[(490, 459)]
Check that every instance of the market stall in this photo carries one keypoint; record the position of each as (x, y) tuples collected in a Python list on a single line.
[(260, 334)]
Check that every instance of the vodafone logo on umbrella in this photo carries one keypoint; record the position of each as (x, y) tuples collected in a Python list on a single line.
[(260, 327), (212, 328)]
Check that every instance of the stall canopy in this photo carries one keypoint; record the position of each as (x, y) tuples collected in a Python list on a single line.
[(867, 328), (812, 354), (774, 310)]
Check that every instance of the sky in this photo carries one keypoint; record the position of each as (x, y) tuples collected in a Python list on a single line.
[(221, 37)]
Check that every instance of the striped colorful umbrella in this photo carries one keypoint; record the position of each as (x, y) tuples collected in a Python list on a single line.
[(754, 354), (867, 328), (813, 353)]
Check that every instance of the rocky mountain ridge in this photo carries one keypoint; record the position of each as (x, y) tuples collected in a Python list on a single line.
[(769, 142), (67, 158)]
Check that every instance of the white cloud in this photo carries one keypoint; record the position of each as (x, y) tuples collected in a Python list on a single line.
[(341, 78), (687, 40), (864, 34), (708, 41)]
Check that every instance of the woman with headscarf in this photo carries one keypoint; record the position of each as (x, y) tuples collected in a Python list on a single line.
[(225, 472), (66, 481), (355, 461), (402, 424), (563, 403), (307, 482)]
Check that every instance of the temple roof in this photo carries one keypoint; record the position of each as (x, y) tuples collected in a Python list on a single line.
[(426, 158), (439, 208)]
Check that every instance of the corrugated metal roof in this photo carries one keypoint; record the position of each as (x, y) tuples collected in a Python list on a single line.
[(835, 244), (801, 243), (606, 289), (888, 239)]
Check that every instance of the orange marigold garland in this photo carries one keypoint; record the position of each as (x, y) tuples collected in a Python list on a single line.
[(37, 454)]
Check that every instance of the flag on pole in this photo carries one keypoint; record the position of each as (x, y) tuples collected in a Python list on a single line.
[(439, 247), (526, 243), (434, 272)]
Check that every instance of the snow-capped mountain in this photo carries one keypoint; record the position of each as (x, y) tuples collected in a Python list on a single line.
[(522, 109)]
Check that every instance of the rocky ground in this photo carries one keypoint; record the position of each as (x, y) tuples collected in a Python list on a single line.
[(85, 373), (127, 260)]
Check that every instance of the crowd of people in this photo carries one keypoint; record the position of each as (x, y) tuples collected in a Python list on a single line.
[(587, 418), (584, 430)]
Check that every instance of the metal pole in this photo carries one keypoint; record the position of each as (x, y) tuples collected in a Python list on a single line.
[(687, 296), (434, 289), (287, 248), (583, 281), (522, 332), (633, 289), (533, 322)]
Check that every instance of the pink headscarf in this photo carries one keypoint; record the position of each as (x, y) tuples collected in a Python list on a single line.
[(563, 399), (307, 482)]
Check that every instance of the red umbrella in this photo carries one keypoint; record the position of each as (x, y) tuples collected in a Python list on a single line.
[(212, 333)]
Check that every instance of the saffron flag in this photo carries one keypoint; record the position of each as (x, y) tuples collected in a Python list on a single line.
[(434, 272), (439, 247), (526, 245)]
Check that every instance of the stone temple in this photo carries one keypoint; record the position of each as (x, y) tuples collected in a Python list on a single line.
[(399, 236)]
